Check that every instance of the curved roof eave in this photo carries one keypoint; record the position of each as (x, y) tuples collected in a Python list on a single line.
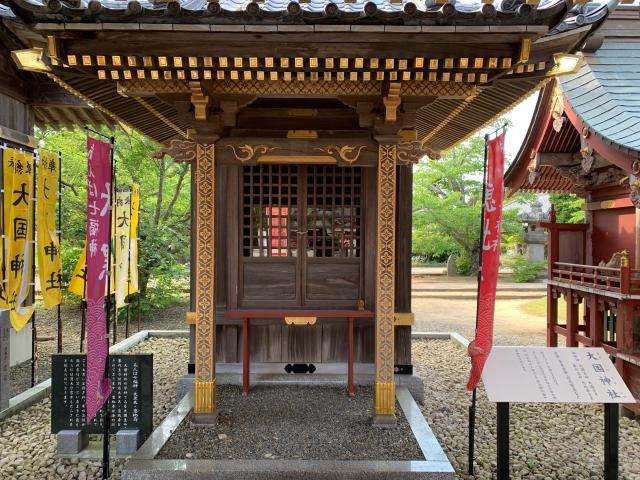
[(539, 123)]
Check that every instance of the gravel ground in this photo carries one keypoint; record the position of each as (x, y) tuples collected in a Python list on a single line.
[(27, 449), (548, 442), (310, 423), (47, 326)]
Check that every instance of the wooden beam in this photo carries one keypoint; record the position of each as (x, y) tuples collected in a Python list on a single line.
[(290, 45), (555, 159), (608, 204), (343, 151)]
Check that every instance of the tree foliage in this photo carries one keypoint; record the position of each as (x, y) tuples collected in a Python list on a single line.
[(164, 206), (447, 201), (568, 207)]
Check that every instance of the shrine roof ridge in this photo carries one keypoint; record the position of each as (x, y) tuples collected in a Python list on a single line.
[(555, 13)]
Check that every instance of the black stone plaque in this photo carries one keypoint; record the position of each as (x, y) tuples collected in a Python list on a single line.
[(131, 400)]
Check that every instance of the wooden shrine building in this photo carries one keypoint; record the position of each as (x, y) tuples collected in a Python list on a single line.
[(302, 121), (585, 139)]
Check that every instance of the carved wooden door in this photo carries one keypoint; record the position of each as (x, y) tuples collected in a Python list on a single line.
[(300, 231)]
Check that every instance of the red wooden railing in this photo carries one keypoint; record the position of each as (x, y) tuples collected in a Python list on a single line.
[(609, 279)]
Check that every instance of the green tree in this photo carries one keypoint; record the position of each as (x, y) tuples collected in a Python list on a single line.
[(447, 201), (164, 226), (568, 207)]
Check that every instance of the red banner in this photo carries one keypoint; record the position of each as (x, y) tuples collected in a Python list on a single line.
[(480, 347), (98, 388)]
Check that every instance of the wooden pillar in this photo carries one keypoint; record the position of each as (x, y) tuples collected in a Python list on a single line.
[(404, 214), (192, 270), (384, 388), (637, 241), (205, 381), (596, 322), (624, 331), (572, 319), (552, 317)]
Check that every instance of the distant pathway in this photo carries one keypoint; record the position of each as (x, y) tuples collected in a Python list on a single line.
[(449, 304)]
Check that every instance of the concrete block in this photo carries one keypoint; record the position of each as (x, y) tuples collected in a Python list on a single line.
[(128, 441), (414, 384), (72, 442), (184, 385)]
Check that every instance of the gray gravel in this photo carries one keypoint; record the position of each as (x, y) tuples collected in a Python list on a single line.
[(548, 441), (290, 422), (27, 449)]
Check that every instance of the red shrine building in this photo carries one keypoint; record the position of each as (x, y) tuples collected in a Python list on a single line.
[(585, 139)]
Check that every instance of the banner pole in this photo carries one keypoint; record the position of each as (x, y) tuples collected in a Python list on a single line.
[(472, 407), (5, 281), (34, 337), (126, 331), (60, 246), (107, 409), (83, 302), (112, 239), (138, 319)]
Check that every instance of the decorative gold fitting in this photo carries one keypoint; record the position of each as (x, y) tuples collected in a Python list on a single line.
[(300, 320), (404, 319), (624, 259), (191, 318), (308, 134)]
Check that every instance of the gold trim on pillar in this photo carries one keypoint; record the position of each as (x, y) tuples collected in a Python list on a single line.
[(385, 395), (385, 281), (205, 397), (205, 384)]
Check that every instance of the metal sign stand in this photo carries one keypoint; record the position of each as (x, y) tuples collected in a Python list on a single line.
[(611, 440)]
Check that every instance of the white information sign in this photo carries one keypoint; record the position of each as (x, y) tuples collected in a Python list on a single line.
[(558, 375)]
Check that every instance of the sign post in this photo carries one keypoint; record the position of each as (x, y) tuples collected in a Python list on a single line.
[(502, 430), (611, 432), (5, 360), (555, 375)]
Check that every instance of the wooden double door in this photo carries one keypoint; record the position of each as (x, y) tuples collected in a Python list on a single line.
[(301, 236)]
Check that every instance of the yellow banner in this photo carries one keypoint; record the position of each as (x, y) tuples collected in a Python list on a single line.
[(133, 249), (17, 172), (122, 224), (49, 261), (77, 284)]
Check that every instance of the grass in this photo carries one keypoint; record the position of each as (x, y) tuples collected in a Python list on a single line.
[(538, 308)]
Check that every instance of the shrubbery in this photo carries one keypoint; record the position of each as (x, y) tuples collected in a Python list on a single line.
[(524, 271)]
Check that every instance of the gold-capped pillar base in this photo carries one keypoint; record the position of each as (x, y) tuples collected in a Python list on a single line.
[(384, 404), (205, 398)]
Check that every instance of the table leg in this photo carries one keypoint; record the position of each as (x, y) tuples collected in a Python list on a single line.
[(246, 357), (350, 387)]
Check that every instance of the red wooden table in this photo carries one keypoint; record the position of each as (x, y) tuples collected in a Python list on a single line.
[(247, 315)]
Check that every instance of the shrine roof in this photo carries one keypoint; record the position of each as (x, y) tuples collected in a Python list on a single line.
[(605, 93), (394, 12), (466, 41), (601, 103)]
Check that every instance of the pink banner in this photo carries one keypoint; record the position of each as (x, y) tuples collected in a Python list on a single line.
[(480, 348), (98, 387)]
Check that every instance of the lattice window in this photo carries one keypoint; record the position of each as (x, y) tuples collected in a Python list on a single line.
[(269, 211), (333, 211)]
